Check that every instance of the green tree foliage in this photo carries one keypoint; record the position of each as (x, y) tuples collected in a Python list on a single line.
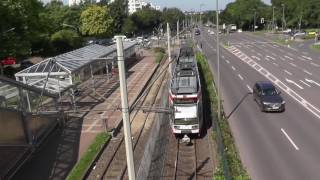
[(241, 13), (129, 28), (18, 15), (119, 14), (65, 40), (146, 19), (171, 16), (308, 11), (96, 21)]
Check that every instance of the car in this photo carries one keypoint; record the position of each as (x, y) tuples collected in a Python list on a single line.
[(268, 97), (8, 61), (197, 32), (211, 33)]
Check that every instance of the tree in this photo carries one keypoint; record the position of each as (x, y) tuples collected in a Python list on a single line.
[(146, 19), (119, 14), (65, 40), (96, 21), (129, 28), (171, 16)]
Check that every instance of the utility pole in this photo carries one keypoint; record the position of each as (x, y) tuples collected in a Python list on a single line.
[(273, 19), (178, 38), (218, 59), (282, 17), (254, 21), (125, 109), (169, 48)]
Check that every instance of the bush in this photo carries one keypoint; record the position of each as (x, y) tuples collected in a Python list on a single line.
[(159, 49)]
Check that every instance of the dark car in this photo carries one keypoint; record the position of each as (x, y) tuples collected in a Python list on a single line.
[(268, 97), (197, 32)]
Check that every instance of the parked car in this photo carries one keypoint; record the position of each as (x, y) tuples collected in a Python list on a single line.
[(268, 97), (8, 61)]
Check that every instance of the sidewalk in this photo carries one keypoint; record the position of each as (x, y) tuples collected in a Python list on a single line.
[(65, 146)]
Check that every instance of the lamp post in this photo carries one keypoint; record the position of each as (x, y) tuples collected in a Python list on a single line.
[(282, 17), (201, 13), (273, 19), (254, 21), (218, 60)]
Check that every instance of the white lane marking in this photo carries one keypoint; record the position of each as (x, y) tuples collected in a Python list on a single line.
[(228, 61), (275, 45), (266, 58), (305, 83), (255, 57), (240, 77), (312, 81), (292, 82), (290, 140), (250, 89), (288, 72), (288, 57), (233, 68), (307, 72), (282, 59), (292, 64), (304, 103), (222, 57), (314, 64), (270, 57), (275, 64), (302, 58), (306, 57)]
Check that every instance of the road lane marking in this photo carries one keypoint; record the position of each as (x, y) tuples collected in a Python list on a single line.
[(292, 82), (288, 57), (270, 57), (292, 64), (250, 89), (288, 72), (305, 83), (255, 57), (290, 140), (228, 61), (314, 64), (307, 72), (312, 81), (222, 57), (267, 59), (306, 57), (240, 77), (233, 68), (275, 64)]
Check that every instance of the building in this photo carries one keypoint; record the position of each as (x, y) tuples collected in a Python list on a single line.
[(135, 5)]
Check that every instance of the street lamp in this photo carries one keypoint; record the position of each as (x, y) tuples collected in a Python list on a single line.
[(201, 13), (273, 18), (282, 16), (218, 60), (254, 20)]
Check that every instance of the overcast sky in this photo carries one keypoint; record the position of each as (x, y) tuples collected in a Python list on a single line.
[(187, 5)]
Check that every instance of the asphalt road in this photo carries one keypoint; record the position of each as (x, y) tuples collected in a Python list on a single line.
[(271, 145)]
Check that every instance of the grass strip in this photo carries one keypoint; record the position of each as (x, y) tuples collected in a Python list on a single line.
[(159, 52), (316, 47), (79, 170), (230, 165)]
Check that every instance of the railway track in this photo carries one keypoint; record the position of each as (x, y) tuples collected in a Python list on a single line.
[(116, 167), (186, 160)]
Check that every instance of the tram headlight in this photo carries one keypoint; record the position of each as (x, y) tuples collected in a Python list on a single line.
[(195, 127)]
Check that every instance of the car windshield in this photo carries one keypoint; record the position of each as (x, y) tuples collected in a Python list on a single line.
[(269, 92)]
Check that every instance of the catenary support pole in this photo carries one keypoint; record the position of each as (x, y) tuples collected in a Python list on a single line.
[(178, 38), (169, 48), (218, 61), (125, 108)]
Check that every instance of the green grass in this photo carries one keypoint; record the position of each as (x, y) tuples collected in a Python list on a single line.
[(229, 160), (316, 47), (86, 160), (159, 57), (308, 36), (282, 41), (259, 33)]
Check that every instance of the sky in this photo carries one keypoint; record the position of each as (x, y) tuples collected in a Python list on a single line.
[(187, 5)]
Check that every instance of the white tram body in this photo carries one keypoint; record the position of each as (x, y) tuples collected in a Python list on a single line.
[(185, 95)]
